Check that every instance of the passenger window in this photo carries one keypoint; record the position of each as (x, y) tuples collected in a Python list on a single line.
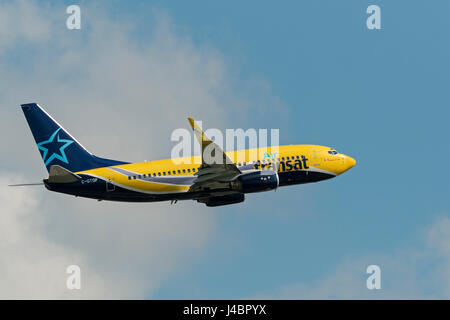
[(193, 169), (189, 170), (129, 177), (168, 172), (179, 171), (154, 174), (159, 173), (174, 172), (184, 171)]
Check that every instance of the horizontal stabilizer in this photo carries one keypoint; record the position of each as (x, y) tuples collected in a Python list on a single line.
[(59, 174)]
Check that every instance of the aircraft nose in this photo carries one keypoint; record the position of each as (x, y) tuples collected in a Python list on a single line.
[(349, 162)]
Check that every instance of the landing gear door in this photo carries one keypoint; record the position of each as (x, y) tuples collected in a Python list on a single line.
[(315, 157), (110, 184)]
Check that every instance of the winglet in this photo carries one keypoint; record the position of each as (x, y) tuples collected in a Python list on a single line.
[(214, 154), (199, 134), (192, 122)]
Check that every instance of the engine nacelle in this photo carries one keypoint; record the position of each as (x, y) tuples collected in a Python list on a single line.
[(256, 181)]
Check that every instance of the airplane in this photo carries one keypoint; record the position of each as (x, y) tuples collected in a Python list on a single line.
[(73, 170)]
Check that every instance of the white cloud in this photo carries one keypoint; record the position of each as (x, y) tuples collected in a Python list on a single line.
[(23, 21), (124, 251), (99, 82), (121, 99), (32, 266)]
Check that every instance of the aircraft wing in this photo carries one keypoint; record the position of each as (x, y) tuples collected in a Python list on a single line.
[(216, 170)]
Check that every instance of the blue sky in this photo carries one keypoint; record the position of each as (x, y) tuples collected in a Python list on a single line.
[(313, 70), (379, 96)]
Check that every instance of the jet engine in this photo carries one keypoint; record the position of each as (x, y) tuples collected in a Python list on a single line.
[(256, 181)]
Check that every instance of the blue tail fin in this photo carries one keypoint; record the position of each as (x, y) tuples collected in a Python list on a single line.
[(57, 146)]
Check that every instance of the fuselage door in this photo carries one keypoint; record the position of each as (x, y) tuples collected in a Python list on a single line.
[(109, 184), (315, 157)]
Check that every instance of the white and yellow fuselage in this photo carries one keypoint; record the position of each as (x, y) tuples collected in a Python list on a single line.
[(172, 178)]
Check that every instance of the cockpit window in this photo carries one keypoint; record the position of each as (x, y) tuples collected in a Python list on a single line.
[(333, 152)]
